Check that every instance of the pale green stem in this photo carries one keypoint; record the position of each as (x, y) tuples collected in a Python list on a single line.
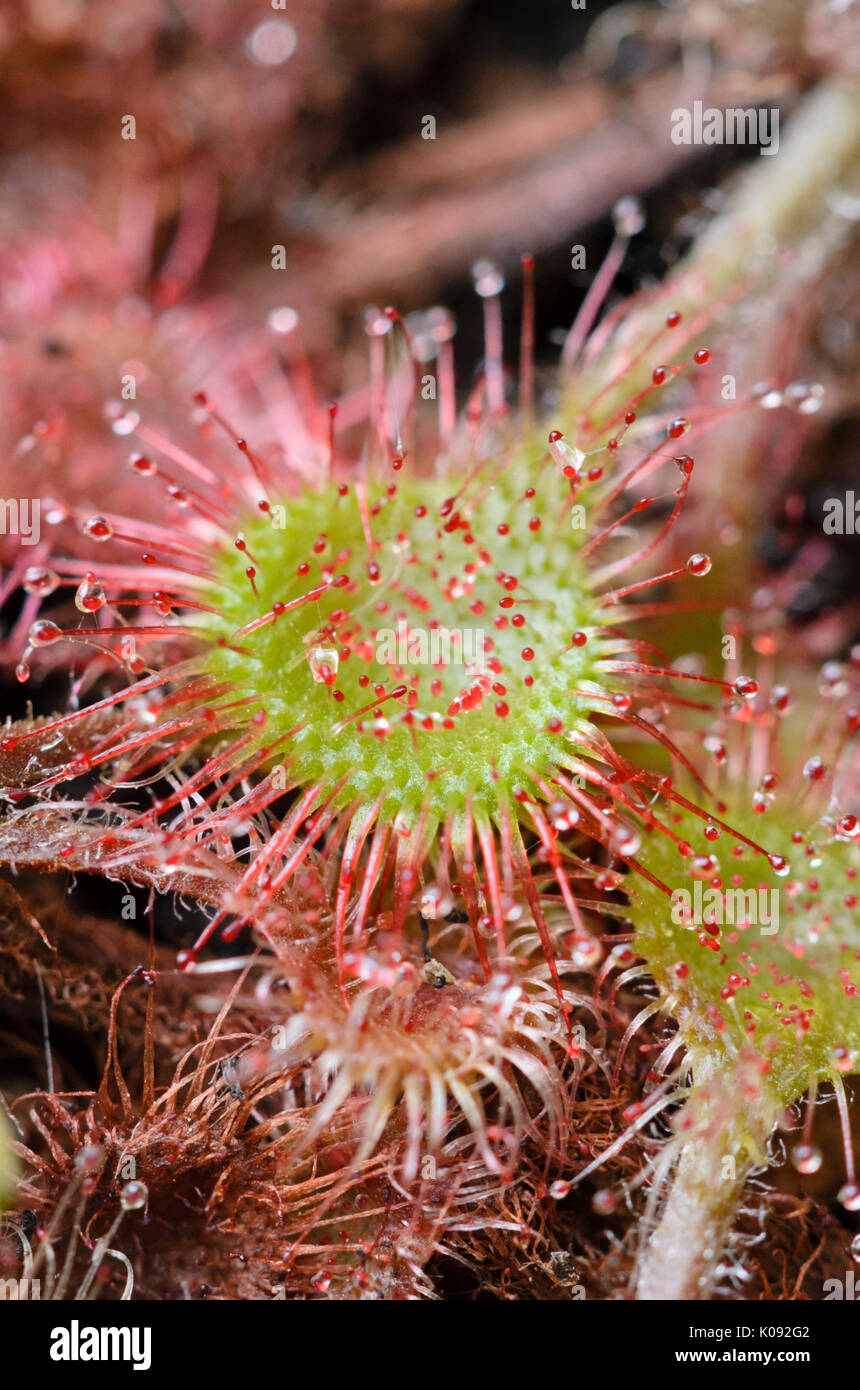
[(728, 1140)]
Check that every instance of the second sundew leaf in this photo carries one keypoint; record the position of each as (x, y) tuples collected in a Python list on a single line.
[(773, 961), (748, 924)]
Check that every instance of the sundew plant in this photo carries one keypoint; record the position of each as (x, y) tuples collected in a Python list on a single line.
[(483, 828)]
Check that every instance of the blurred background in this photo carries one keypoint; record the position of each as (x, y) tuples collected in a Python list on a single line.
[(299, 123)]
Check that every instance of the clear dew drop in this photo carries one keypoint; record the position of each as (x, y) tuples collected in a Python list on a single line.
[(625, 840), (271, 43), (806, 1158), (143, 466), (745, 687), (704, 866), (39, 581), (559, 1190), (22, 671), (98, 528), (585, 951), (376, 323), (43, 633), (849, 1196), (436, 902), (565, 455), (487, 278), (563, 815), (323, 663), (55, 513), (628, 216), (768, 398), (717, 749), (604, 1202), (854, 1247), (90, 1159), (283, 320), (845, 1058), (512, 911), (832, 681), (89, 596), (441, 323), (133, 1196), (805, 397), (126, 424)]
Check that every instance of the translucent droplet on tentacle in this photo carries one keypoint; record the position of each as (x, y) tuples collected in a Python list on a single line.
[(133, 1196), (98, 528), (781, 699), (585, 950), (425, 343), (704, 866), (849, 1196), (442, 323), (126, 423), (563, 815), (43, 632), (814, 768), (39, 581), (271, 43), (746, 687), (90, 1159), (845, 1058), (566, 455), (766, 395), (487, 278), (376, 323), (806, 1158), (512, 911), (436, 902), (142, 465), (832, 682), (89, 596), (283, 320), (625, 840), (805, 397), (323, 663), (628, 216), (55, 513)]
